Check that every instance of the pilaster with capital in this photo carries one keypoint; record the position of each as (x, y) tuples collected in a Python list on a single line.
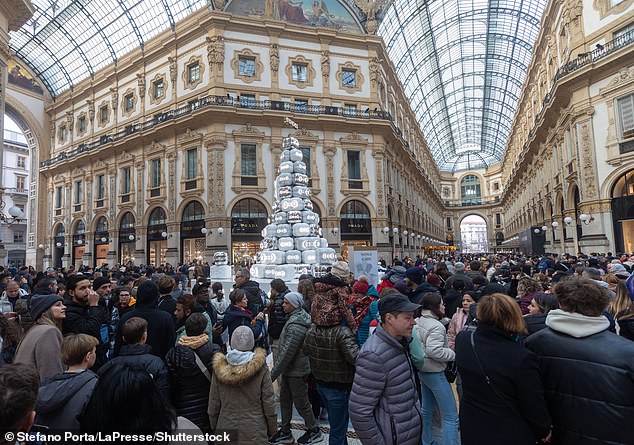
[(588, 162), (330, 150), (140, 166)]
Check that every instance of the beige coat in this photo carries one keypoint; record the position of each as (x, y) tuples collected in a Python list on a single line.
[(41, 348), (241, 398)]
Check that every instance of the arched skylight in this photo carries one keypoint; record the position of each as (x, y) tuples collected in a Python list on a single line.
[(67, 41), (462, 64)]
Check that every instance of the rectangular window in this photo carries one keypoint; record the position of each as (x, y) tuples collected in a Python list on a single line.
[(82, 124), (191, 163), (79, 192), (301, 106), (623, 31), (306, 160), (449, 223), (129, 102), (350, 109), (354, 169), (21, 162), (349, 78), (101, 187), (299, 72), (248, 164), (18, 236), (58, 197), (247, 100), (193, 72), (159, 89), (498, 220), (388, 171), (626, 116), (496, 186), (125, 181), (104, 113), (246, 66), (20, 182), (156, 173), (63, 132)]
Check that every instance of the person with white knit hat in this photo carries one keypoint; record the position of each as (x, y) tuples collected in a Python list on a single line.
[(293, 367), (241, 393)]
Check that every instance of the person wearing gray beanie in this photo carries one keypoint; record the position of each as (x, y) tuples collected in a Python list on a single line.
[(292, 366)]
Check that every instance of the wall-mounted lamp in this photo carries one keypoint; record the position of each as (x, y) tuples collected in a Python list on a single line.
[(104, 239), (418, 236), (58, 244), (131, 237), (334, 230), (165, 234), (395, 230), (40, 246), (205, 231), (405, 232), (568, 220), (586, 218), (385, 230), (555, 224), (221, 230)]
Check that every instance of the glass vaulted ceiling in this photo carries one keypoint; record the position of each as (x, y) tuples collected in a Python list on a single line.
[(462, 64), (67, 41)]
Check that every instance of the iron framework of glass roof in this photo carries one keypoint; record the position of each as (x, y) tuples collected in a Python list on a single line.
[(463, 63), (67, 41)]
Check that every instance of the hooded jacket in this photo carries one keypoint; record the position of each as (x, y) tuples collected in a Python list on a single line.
[(588, 376), (384, 403), (141, 355), (62, 399), (277, 317), (241, 398), (433, 338), (161, 333), (292, 361)]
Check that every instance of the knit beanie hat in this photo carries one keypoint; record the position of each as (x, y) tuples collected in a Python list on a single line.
[(242, 339), (100, 281), (360, 287), (41, 303), (401, 287), (295, 299), (341, 270), (415, 274)]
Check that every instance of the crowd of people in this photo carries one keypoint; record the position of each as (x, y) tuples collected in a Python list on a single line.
[(539, 349)]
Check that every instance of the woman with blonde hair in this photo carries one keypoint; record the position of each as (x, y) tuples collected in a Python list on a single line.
[(42, 344), (620, 303), (612, 280), (503, 396)]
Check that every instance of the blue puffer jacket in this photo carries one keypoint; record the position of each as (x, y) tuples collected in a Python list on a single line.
[(373, 313)]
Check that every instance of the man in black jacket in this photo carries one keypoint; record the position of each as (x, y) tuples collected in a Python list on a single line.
[(252, 289), (587, 371), (84, 315), (277, 316), (161, 334)]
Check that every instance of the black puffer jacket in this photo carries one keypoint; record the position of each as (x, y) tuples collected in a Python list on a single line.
[(588, 376), (627, 328), (141, 356), (190, 387), (332, 352), (277, 317)]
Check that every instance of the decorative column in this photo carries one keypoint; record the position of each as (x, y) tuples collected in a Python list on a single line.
[(330, 219)]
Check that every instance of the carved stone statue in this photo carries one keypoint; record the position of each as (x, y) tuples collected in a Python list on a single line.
[(275, 57), (141, 84), (325, 63), (173, 73)]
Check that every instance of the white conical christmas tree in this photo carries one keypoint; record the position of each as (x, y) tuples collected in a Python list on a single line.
[(293, 242)]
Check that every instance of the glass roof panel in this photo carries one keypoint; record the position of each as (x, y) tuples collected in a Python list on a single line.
[(463, 64), (66, 41)]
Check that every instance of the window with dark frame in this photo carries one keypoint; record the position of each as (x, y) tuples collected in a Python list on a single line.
[(79, 192), (349, 78), (191, 164), (104, 113), (58, 197), (193, 72), (155, 168), (248, 164), (354, 169), (129, 102), (125, 181), (159, 88)]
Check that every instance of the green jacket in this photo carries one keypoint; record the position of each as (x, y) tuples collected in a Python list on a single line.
[(332, 351), (291, 360)]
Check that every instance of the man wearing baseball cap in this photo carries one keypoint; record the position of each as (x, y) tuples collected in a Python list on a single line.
[(384, 403)]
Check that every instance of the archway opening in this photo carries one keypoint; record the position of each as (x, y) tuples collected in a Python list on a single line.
[(156, 237), (473, 234), (248, 218), (355, 226), (127, 239), (192, 237), (101, 242), (623, 212)]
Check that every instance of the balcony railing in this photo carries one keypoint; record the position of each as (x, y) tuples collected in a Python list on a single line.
[(16, 191), (470, 202), (220, 101)]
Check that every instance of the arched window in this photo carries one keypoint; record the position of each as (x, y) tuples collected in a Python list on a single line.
[(102, 225), (194, 211), (127, 222), (80, 228), (355, 218), (470, 190), (157, 217), (60, 232), (248, 216)]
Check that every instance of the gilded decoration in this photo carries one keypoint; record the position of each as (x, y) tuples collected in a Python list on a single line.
[(300, 81), (191, 82), (604, 7), (247, 54), (358, 77), (130, 94), (156, 94)]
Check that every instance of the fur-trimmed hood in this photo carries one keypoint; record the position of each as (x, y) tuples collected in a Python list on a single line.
[(237, 375)]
